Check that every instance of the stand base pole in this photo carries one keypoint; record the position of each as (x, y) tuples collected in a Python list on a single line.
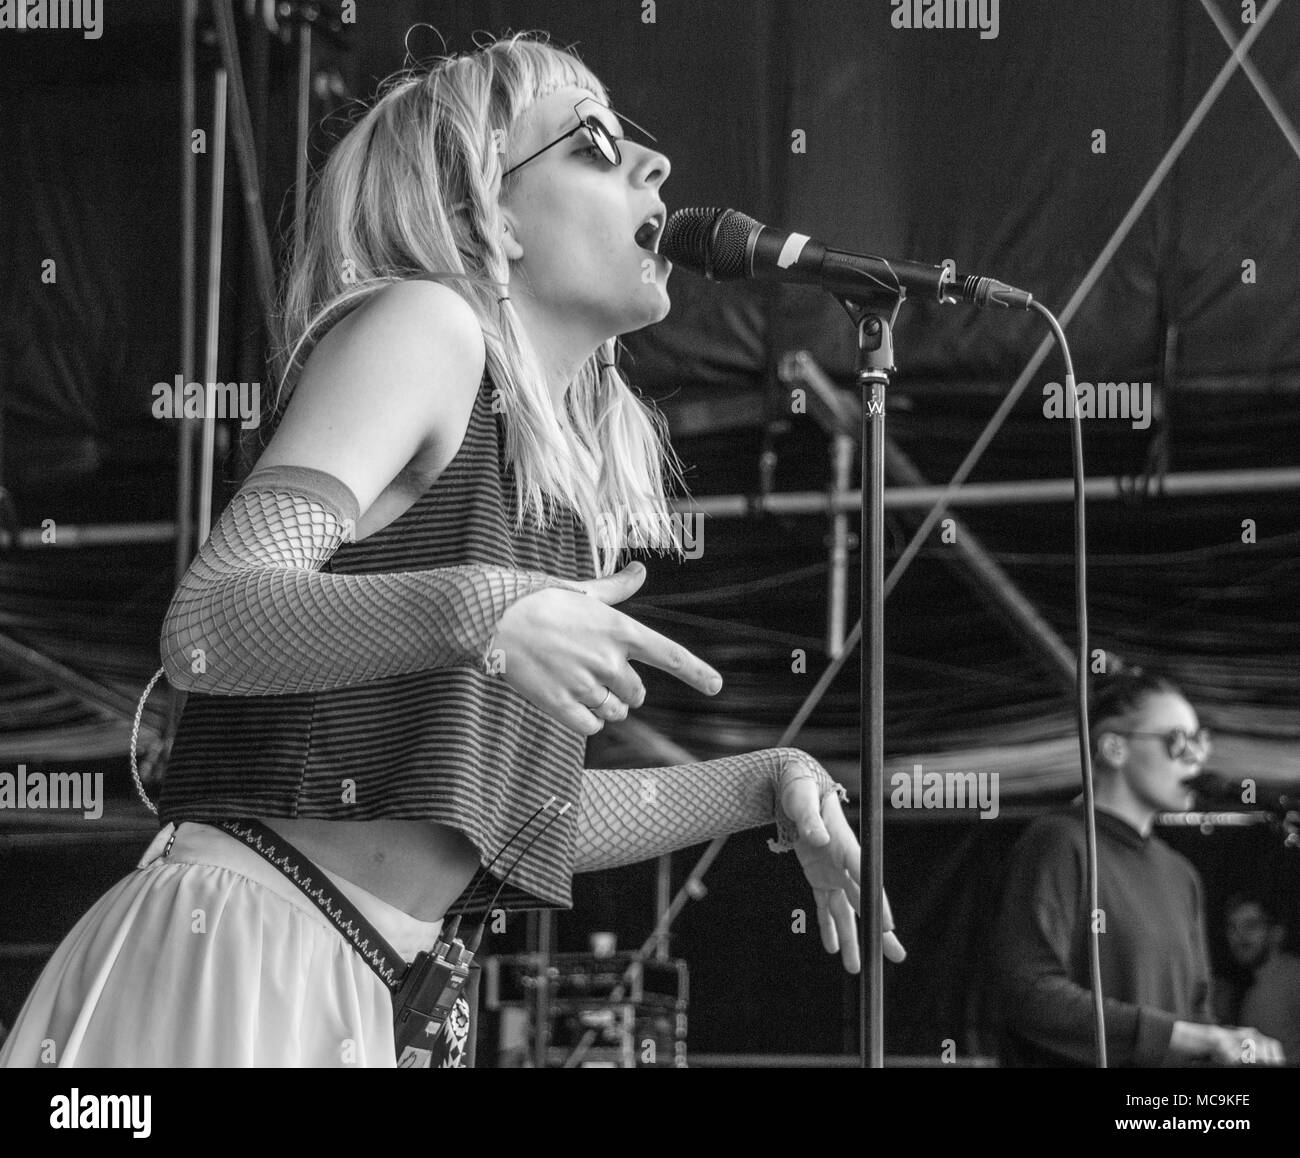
[(875, 363)]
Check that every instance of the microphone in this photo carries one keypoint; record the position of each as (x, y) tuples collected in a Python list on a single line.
[(725, 245), (1221, 790)]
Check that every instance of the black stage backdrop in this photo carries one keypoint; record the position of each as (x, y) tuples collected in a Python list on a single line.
[(822, 118)]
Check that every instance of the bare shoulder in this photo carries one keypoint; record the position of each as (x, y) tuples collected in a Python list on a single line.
[(411, 334), (422, 316), (390, 383)]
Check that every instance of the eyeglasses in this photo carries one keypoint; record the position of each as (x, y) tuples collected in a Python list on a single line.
[(599, 132), (1178, 742)]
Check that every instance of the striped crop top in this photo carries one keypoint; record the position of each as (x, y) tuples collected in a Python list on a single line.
[(450, 744)]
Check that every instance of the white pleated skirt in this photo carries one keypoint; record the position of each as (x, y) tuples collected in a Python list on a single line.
[(210, 957)]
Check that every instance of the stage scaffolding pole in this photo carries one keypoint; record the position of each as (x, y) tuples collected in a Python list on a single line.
[(185, 427), (1036, 491)]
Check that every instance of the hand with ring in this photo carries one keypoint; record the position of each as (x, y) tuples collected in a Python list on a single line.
[(570, 654), (611, 708)]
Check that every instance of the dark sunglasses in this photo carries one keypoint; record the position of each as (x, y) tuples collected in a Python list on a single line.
[(1177, 742), (596, 129)]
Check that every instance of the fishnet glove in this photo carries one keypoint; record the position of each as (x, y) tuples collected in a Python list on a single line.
[(634, 814), (254, 615)]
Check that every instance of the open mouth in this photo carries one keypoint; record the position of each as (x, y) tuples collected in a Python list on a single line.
[(648, 233)]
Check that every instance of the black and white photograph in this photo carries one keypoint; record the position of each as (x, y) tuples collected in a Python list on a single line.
[(731, 535)]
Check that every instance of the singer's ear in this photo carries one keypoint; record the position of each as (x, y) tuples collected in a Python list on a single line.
[(509, 240)]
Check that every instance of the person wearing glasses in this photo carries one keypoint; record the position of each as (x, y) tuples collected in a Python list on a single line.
[(1147, 746), (403, 627)]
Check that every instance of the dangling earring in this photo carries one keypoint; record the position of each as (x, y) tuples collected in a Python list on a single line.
[(501, 301)]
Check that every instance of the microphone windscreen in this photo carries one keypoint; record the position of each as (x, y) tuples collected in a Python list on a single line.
[(685, 239), (708, 241)]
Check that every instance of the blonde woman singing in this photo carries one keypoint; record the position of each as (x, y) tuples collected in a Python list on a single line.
[(403, 627)]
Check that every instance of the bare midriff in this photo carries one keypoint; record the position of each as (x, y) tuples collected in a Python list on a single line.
[(417, 866)]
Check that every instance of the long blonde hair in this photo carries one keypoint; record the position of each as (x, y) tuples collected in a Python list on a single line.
[(412, 191)]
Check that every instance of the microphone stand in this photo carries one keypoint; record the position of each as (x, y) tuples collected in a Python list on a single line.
[(875, 363)]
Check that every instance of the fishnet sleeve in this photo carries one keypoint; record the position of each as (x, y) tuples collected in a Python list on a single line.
[(255, 615), (634, 814)]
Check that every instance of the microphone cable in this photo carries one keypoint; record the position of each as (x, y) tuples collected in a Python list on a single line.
[(1081, 689), (477, 939), (453, 926), (425, 998)]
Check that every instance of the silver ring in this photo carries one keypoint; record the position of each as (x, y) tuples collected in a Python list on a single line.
[(608, 692)]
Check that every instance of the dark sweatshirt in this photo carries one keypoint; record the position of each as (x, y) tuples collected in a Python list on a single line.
[(1154, 964)]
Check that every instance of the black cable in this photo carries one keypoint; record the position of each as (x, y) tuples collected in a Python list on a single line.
[(453, 927), (1081, 690), (473, 945)]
